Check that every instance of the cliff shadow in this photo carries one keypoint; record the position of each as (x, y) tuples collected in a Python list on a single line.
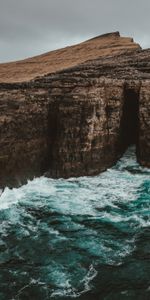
[(51, 162), (129, 134)]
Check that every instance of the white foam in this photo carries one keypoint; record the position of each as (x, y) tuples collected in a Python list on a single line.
[(68, 290), (35, 189), (10, 197), (80, 196)]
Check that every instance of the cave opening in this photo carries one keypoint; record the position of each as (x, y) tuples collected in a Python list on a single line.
[(130, 119)]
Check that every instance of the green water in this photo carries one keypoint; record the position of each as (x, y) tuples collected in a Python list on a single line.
[(81, 238)]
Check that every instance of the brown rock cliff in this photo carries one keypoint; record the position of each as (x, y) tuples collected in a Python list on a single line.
[(87, 105)]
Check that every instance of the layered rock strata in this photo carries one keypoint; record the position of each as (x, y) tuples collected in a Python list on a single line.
[(76, 120)]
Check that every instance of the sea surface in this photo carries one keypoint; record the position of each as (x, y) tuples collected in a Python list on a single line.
[(82, 238)]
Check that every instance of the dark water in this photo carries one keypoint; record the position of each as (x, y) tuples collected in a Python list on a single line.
[(84, 238)]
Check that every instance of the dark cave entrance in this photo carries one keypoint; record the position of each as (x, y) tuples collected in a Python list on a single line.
[(130, 119)]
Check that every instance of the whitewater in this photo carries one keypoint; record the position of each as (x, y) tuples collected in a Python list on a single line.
[(80, 238)]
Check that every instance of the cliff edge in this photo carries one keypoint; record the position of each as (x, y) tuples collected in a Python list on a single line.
[(74, 111), (51, 62)]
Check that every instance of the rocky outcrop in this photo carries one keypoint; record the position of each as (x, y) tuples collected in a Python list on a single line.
[(78, 117)]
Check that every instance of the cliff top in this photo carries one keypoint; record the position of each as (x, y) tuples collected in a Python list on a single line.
[(105, 45)]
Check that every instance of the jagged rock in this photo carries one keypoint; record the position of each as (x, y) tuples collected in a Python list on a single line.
[(88, 103)]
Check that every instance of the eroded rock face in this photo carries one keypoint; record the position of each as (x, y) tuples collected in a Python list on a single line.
[(144, 130), (77, 121)]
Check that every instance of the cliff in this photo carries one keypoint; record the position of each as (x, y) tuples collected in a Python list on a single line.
[(74, 111)]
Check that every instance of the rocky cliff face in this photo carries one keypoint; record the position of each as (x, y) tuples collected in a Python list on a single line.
[(79, 115)]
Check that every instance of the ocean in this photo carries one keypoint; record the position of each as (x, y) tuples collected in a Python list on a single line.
[(81, 238)]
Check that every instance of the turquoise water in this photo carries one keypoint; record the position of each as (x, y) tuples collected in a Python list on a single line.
[(81, 238)]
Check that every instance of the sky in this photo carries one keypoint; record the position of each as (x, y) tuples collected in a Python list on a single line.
[(32, 27)]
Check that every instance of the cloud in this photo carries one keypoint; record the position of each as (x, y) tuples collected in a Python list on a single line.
[(34, 26)]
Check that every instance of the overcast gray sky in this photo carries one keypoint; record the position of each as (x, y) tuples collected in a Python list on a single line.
[(31, 27)]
